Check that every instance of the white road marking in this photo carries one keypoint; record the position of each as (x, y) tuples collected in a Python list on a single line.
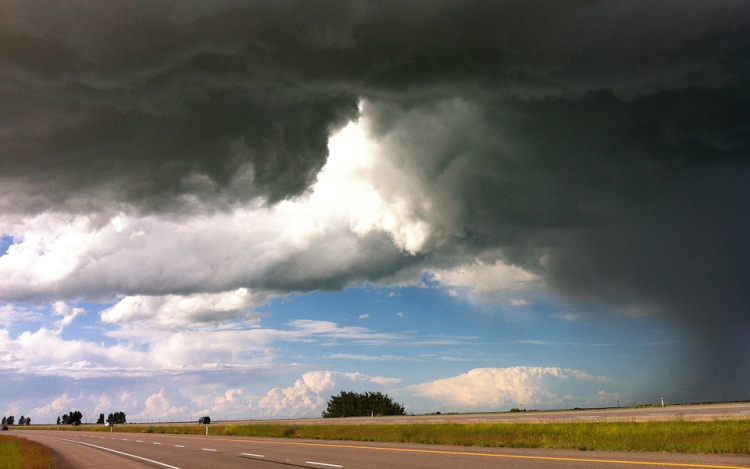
[(322, 464), (117, 452), (178, 446), (253, 455), (138, 441), (208, 449), (155, 443)]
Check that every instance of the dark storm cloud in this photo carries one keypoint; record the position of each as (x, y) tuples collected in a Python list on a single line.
[(142, 102), (636, 206), (603, 145)]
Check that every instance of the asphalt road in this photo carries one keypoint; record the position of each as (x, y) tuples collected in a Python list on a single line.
[(82, 450)]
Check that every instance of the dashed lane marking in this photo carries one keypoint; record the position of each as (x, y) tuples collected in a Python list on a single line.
[(116, 452), (322, 464), (251, 455)]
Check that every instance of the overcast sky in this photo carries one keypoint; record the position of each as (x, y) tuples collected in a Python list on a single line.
[(241, 208)]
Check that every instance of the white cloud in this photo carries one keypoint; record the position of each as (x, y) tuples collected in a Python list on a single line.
[(148, 259), (175, 310), (57, 407), (482, 278), (67, 312), (12, 314), (358, 335), (44, 352), (493, 388), (364, 316), (568, 317), (159, 406), (308, 396), (520, 302)]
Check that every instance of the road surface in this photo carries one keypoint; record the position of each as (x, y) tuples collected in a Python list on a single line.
[(81, 450)]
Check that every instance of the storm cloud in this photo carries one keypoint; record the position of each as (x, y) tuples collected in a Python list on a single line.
[(602, 146)]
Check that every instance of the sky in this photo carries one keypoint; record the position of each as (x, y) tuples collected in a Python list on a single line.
[(242, 208)]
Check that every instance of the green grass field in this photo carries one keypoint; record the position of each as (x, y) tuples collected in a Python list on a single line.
[(20, 453), (708, 437)]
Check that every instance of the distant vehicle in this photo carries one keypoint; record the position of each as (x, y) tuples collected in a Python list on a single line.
[(5, 428), (107, 424), (204, 420)]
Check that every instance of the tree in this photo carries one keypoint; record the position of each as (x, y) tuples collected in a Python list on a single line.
[(65, 419), (5, 420), (28, 420), (101, 419), (74, 418), (58, 420), (22, 420), (352, 404), (118, 417), (11, 420)]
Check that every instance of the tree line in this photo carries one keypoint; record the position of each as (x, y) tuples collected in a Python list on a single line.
[(11, 420), (117, 417), (76, 417), (352, 404)]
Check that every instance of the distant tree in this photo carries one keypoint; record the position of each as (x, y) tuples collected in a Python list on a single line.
[(101, 419), (118, 417), (75, 417), (28, 420), (22, 420), (352, 404), (5, 420), (58, 420), (11, 420)]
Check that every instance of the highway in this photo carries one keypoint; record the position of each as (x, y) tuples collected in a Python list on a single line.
[(82, 450)]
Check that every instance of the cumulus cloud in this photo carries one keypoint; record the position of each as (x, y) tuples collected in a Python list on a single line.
[(501, 388), (67, 312), (171, 310), (309, 395)]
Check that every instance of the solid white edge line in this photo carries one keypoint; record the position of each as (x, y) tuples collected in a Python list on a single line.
[(322, 464), (117, 452)]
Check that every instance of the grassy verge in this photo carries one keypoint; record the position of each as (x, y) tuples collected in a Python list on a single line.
[(20, 453), (712, 437)]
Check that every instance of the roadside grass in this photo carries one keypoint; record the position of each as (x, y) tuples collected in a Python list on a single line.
[(20, 453), (679, 436)]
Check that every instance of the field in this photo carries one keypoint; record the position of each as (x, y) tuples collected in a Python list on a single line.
[(20, 453), (707, 437)]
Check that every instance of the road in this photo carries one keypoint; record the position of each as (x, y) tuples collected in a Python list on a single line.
[(84, 450)]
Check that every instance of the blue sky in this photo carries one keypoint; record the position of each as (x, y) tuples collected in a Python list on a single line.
[(240, 209)]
